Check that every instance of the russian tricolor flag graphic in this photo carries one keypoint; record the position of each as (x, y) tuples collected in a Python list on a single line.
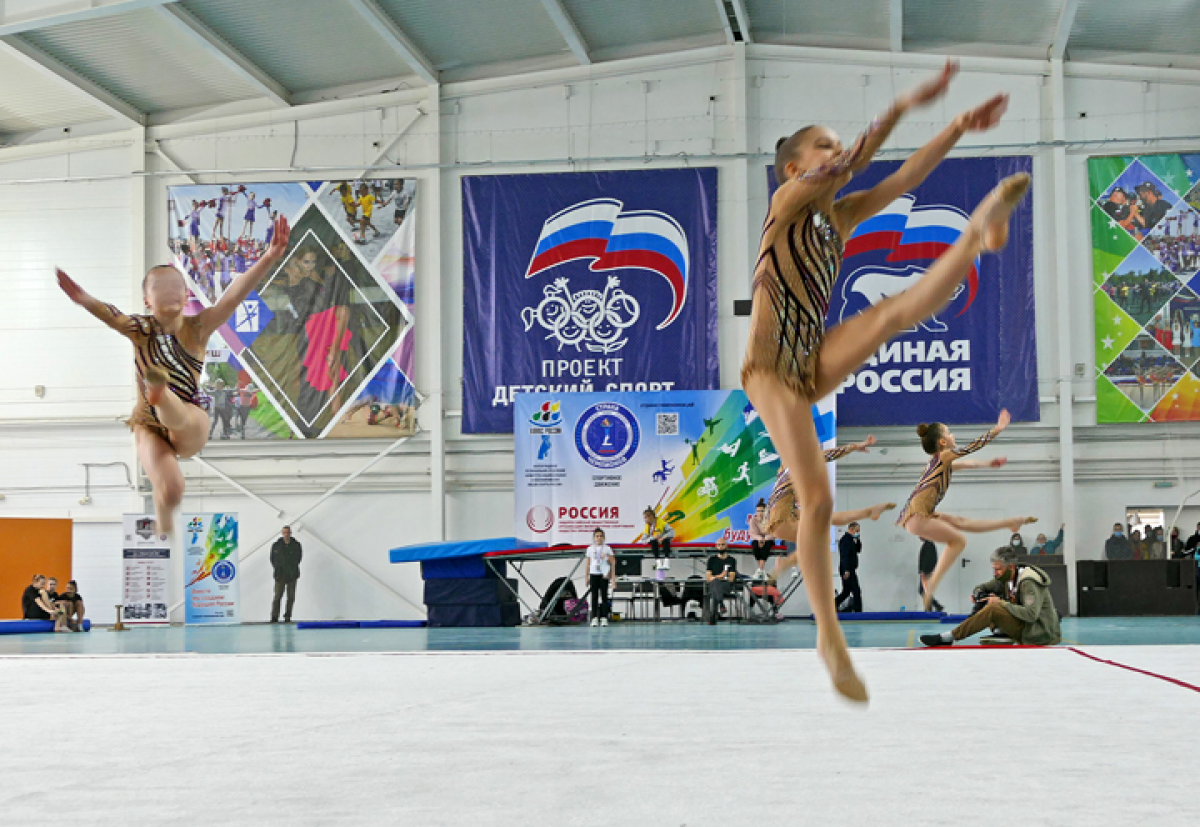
[(598, 230), (913, 234)]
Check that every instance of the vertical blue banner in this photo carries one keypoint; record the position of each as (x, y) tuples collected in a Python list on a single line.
[(971, 359), (603, 281), (210, 566)]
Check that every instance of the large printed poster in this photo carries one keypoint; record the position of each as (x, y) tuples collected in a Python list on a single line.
[(602, 281), (145, 571), (1145, 216), (210, 566), (701, 459), (323, 347), (975, 357)]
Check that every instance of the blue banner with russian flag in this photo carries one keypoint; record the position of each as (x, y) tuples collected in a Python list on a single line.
[(578, 282), (976, 356)]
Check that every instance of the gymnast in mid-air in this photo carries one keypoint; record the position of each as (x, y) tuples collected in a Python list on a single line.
[(167, 422), (791, 362)]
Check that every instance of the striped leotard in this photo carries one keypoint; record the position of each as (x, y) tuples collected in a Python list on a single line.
[(174, 353), (936, 481), (781, 505), (794, 278)]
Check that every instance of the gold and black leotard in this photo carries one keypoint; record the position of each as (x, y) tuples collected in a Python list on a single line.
[(795, 273), (934, 483), (781, 505), (173, 352)]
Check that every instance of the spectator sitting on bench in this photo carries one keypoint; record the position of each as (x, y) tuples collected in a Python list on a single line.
[(658, 534), (721, 573), (71, 601), (30, 609), (1018, 606), (49, 600)]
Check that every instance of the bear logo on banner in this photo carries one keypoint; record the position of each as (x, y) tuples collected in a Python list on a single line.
[(911, 234)]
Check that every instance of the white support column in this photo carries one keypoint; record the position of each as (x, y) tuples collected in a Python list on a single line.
[(433, 410), (1065, 372)]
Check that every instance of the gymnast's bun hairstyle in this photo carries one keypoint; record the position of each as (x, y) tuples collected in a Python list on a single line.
[(930, 434), (786, 149), (761, 503)]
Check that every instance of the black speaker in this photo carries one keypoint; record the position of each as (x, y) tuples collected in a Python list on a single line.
[(629, 565)]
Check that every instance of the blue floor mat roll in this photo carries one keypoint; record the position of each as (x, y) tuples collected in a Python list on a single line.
[(25, 627), (327, 624)]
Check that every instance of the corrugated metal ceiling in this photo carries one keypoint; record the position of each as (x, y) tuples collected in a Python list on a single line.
[(324, 48), (606, 24), (844, 23), (140, 58), (29, 100), (302, 44), (457, 33)]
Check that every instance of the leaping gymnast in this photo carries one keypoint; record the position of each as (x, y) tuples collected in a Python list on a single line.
[(783, 512), (919, 516), (169, 355), (790, 362)]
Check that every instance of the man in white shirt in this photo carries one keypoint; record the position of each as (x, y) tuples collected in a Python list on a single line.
[(602, 570)]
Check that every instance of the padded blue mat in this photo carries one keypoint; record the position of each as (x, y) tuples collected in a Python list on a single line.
[(25, 627), (360, 624)]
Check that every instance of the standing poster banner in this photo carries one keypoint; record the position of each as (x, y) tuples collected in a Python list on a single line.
[(975, 357), (146, 571), (701, 459), (1145, 213), (324, 346), (603, 281), (210, 566)]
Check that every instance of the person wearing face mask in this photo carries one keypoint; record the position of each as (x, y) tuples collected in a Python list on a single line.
[(1017, 544), (849, 547), (1118, 547), (1018, 606), (1154, 547)]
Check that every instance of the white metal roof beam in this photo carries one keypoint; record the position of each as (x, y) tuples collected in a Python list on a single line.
[(896, 29), (50, 67), (386, 28), (743, 19), (191, 27), (569, 31), (1062, 32), (83, 10)]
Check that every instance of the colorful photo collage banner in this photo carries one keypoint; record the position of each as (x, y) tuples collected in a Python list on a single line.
[(323, 346), (1145, 216)]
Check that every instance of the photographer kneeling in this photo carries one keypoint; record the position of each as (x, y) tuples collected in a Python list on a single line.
[(1016, 603)]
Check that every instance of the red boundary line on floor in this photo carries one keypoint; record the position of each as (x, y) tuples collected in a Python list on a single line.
[(1166, 678)]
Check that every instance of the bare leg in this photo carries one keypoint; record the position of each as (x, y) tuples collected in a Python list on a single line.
[(851, 343), (939, 531), (1013, 524), (188, 424), (841, 518), (788, 419), (162, 467)]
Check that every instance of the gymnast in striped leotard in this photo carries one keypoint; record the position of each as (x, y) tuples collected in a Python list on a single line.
[(920, 517), (783, 511), (790, 361), (168, 422)]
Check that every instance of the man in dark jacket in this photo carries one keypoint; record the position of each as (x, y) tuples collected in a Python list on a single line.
[(1118, 547), (1019, 606), (285, 559), (849, 547)]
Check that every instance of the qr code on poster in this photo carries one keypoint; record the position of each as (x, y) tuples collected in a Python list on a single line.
[(668, 424)]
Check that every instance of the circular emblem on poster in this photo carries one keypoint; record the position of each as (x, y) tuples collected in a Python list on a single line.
[(540, 519), (607, 435), (223, 572)]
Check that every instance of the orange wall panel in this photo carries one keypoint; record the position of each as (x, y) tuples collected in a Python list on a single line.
[(29, 547)]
